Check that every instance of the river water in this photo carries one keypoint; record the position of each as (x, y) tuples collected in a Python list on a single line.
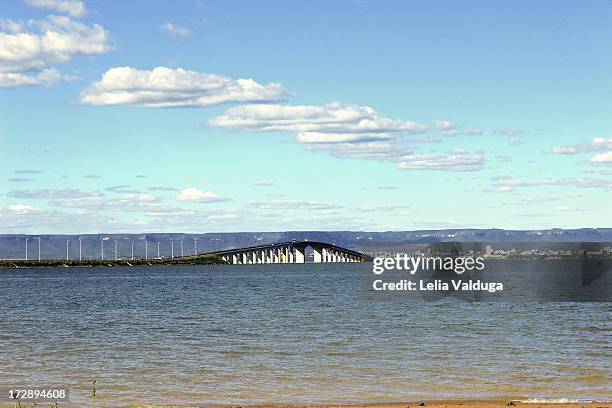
[(252, 334)]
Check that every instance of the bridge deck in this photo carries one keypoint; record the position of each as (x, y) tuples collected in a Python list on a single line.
[(289, 252)]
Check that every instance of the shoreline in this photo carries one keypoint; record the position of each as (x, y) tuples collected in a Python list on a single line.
[(530, 402), (468, 403)]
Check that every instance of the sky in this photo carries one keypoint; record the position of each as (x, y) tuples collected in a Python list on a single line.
[(221, 116)]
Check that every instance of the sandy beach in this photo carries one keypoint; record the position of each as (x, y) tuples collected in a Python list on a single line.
[(428, 404)]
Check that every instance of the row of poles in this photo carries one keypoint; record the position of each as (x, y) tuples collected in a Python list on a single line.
[(195, 248)]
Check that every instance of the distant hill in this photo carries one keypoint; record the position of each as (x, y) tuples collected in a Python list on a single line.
[(12, 246)]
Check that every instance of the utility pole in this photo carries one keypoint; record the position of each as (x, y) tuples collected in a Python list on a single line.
[(26, 257), (195, 246), (172, 246), (146, 250), (102, 251), (80, 250), (115, 250), (39, 248), (158, 250), (132, 250), (67, 243)]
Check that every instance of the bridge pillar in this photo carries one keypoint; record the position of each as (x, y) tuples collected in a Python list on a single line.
[(290, 255), (300, 256), (318, 256)]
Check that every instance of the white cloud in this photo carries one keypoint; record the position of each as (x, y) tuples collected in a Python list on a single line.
[(332, 123), (52, 194), (508, 185), (462, 132), (27, 49), (264, 183), (196, 195), (510, 131), (167, 87), (74, 8), (391, 150), (596, 144), (48, 76), (175, 30), (24, 209), (294, 205), (444, 124), (565, 150), (28, 171), (351, 131), (602, 158), (456, 161)]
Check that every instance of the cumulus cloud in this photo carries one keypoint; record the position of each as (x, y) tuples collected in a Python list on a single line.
[(196, 195), (457, 160), (175, 30), (48, 76), (27, 49), (164, 87), (332, 123), (74, 8)]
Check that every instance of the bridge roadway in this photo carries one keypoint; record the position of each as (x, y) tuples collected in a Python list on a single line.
[(290, 252)]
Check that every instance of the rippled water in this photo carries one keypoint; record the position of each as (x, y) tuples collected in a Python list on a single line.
[(286, 334)]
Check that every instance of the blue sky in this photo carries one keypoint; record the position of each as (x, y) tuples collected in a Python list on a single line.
[(200, 116)]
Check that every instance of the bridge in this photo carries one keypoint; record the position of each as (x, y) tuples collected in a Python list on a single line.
[(290, 252)]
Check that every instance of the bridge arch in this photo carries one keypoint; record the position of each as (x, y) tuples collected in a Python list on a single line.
[(290, 252)]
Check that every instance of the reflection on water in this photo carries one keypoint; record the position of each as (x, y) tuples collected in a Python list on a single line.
[(286, 334)]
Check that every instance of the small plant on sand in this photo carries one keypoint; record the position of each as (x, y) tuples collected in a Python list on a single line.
[(93, 393)]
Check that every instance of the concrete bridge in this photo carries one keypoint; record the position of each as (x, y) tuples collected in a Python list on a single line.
[(290, 252)]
